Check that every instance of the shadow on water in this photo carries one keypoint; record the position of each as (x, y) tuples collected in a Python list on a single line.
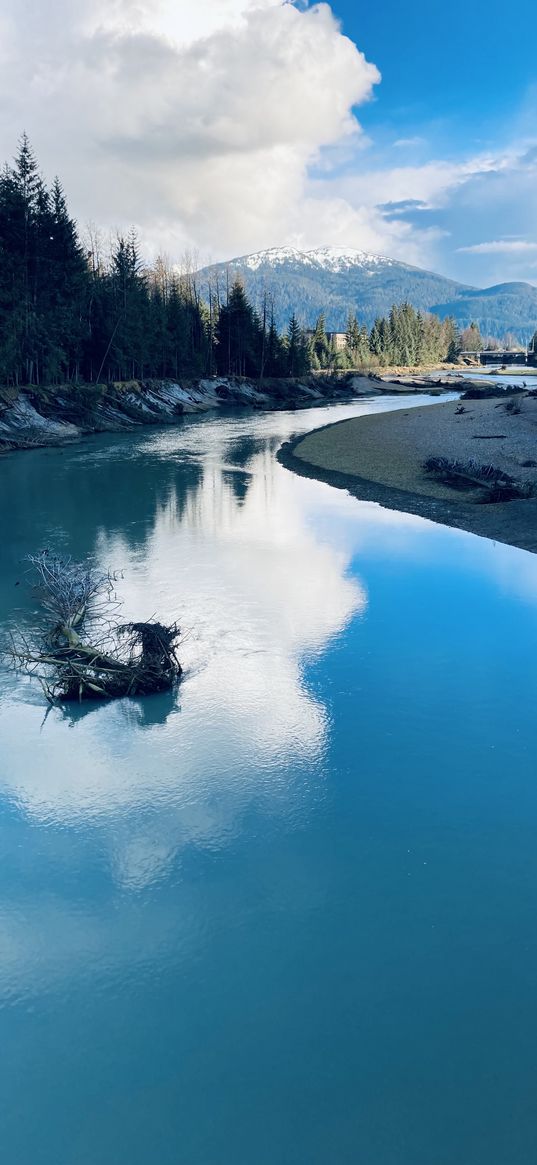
[(74, 500), (67, 495), (144, 712)]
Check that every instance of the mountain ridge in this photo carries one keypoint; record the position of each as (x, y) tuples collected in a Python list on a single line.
[(342, 280)]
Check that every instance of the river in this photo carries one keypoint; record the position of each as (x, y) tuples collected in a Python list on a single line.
[(286, 917), (514, 374)]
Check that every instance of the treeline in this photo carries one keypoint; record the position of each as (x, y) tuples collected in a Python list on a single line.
[(68, 313), (405, 337)]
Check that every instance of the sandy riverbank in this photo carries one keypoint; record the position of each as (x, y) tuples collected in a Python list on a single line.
[(380, 458)]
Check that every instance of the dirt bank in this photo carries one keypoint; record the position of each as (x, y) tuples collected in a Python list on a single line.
[(53, 415)]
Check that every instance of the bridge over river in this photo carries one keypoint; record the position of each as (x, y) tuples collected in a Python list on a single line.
[(527, 358)]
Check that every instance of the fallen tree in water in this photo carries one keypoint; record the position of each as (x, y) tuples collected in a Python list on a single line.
[(82, 651)]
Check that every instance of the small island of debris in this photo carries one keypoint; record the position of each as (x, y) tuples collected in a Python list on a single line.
[(81, 650)]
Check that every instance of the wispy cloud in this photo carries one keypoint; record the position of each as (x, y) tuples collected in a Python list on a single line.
[(500, 247), (409, 143)]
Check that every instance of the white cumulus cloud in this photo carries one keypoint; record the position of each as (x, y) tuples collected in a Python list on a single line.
[(197, 122), (226, 126)]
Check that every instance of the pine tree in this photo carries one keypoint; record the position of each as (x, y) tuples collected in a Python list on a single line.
[(357, 350), (29, 188), (297, 349), (276, 354), (239, 335), (130, 312), (13, 306), (320, 343), (376, 338), (454, 344)]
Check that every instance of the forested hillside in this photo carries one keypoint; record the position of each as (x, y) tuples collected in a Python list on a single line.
[(337, 281), (330, 280)]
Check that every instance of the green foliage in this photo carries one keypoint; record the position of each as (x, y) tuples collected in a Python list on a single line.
[(67, 315), (319, 343), (358, 349), (453, 337), (313, 288), (297, 349), (238, 336), (247, 344), (410, 338), (42, 276)]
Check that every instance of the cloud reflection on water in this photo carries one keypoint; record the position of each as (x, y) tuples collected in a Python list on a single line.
[(255, 563), (259, 592)]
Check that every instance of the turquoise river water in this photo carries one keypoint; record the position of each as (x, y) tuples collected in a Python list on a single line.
[(288, 916)]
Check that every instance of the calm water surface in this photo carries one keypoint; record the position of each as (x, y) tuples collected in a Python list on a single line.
[(514, 374), (290, 916)]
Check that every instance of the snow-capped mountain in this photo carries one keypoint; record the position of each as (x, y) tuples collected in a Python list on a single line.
[(339, 280), (325, 258)]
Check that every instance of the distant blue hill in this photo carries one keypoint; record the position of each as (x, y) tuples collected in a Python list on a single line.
[(339, 280)]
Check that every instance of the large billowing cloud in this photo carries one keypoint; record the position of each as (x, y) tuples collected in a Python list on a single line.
[(225, 126), (195, 121)]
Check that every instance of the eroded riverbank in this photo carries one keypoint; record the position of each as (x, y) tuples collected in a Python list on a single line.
[(57, 415)]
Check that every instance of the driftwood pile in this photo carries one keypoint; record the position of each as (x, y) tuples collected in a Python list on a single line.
[(82, 651), (493, 483)]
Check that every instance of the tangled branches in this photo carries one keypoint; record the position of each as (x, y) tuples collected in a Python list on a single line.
[(495, 486), (82, 652)]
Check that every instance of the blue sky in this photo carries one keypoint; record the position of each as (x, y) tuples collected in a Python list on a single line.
[(463, 67), (458, 88), (223, 127)]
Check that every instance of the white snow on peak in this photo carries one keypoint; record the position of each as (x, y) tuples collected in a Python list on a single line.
[(273, 257), (329, 258), (339, 258)]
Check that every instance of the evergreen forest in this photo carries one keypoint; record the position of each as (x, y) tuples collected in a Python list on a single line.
[(70, 313)]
